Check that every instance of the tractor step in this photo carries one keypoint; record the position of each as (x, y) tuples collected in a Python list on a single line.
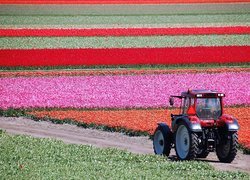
[(210, 145)]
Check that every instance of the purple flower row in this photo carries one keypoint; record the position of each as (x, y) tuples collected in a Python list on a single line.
[(118, 91)]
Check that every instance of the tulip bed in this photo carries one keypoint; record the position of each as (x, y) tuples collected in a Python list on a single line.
[(124, 31), (117, 91), (143, 120), (127, 56), (101, 96), (99, 40)]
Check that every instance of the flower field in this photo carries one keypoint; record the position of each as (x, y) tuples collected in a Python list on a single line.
[(139, 120), (127, 56), (106, 94), (99, 40), (117, 91), (132, 98), (124, 31)]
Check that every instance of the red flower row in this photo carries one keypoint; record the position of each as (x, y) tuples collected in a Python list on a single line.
[(124, 31), (124, 56), (115, 1)]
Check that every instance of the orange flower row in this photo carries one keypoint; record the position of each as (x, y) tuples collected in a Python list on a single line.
[(40, 73), (242, 114), (140, 120)]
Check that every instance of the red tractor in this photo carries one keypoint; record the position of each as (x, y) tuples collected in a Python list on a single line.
[(200, 127)]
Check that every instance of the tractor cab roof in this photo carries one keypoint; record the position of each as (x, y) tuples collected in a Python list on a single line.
[(201, 94)]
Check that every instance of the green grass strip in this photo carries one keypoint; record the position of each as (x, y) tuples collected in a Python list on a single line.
[(124, 21), (123, 9), (130, 67), (123, 42), (24, 157)]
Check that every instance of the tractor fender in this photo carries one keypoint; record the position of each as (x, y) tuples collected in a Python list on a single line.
[(166, 129), (164, 126), (232, 126), (228, 122), (194, 126)]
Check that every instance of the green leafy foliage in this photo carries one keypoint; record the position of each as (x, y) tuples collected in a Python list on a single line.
[(12, 112), (246, 150), (146, 66), (23, 157), (124, 21), (123, 42)]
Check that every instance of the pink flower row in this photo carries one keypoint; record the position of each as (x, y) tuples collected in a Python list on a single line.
[(118, 91)]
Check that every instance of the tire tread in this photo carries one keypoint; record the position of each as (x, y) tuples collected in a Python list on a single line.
[(167, 140), (232, 152)]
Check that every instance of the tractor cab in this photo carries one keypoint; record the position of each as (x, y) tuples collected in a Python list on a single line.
[(205, 104)]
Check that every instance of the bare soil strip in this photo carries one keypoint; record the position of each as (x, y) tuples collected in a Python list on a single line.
[(76, 135)]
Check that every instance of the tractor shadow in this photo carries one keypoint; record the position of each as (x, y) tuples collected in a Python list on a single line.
[(172, 158), (175, 158), (208, 160)]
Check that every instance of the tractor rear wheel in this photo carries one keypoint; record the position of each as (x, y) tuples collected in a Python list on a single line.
[(186, 143), (227, 148), (162, 140)]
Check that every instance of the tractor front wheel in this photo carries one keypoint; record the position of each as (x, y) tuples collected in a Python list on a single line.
[(227, 148), (186, 143), (162, 140)]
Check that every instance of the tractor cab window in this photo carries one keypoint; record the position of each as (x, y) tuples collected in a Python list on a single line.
[(187, 103), (208, 108)]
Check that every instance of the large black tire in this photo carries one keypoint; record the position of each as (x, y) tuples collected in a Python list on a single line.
[(202, 153), (162, 140), (186, 142), (227, 148)]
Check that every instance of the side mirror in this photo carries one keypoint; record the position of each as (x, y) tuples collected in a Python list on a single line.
[(171, 101)]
